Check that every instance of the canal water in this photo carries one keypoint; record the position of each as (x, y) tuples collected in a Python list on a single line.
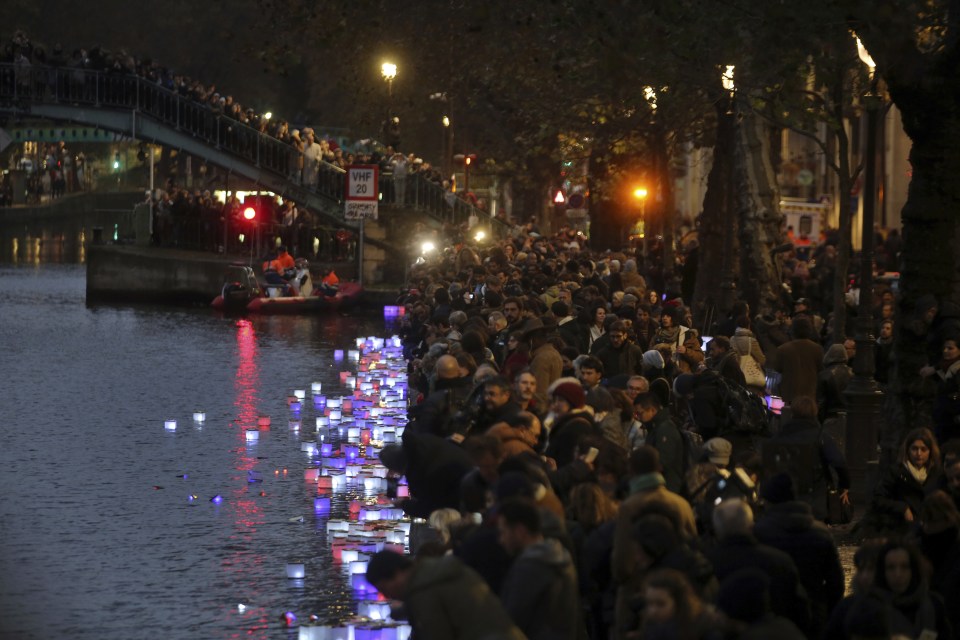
[(108, 527)]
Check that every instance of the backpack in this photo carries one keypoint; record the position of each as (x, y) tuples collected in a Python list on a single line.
[(743, 410), (803, 462)]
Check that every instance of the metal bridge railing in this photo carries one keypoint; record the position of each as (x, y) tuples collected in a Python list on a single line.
[(24, 84)]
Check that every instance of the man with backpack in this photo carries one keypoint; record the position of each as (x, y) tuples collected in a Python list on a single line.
[(720, 407), (805, 452), (664, 435), (435, 414)]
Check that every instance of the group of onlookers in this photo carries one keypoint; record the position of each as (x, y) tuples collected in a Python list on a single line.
[(594, 466)]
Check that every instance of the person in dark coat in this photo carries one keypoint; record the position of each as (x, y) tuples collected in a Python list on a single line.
[(443, 598), (745, 599), (798, 361), (540, 591), (911, 610), (902, 488), (939, 540), (833, 381), (450, 393), (434, 468), (804, 434), (619, 356), (663, 435), (573, 423), (788, 524), (737, 548), (498, 405)]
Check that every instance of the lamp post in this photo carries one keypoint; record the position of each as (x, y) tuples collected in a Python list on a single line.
[(863, 394), (727, 285), (447, 144), (389, 71), (640, 193)]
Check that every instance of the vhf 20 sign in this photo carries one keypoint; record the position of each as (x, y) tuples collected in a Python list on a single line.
[(363, 192)]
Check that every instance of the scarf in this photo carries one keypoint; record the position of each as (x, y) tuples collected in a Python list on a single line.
[(919, 474), (645, 482)]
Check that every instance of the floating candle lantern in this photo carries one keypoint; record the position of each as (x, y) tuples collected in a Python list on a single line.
[(311, 475), (308, 447), (295, 406), (315, 387), (338, 354), (326, 449), (295, 570), (321, 505), (324, 483), (353, 354), (263, 421), (322, 422), (374, 609), (252, 435), (300, 394), (199, 416)]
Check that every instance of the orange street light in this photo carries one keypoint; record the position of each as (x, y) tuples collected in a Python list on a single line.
[(640, 193)]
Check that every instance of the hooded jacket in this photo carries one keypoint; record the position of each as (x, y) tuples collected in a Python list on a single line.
[(790, 527), (447, 600), (541, 594)]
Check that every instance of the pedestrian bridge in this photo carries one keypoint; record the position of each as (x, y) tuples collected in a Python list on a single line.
[(133, 106)]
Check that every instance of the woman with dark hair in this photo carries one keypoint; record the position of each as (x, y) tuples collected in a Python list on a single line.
[(899, 495), (518, 356), (595, 325), (673, 610), (911, 609)]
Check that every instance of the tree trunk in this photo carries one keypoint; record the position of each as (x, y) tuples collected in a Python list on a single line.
[(931, 246), (845, 221), (758, 212), (712, 223)]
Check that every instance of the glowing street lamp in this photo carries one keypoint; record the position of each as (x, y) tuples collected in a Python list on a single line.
[(640, 193)]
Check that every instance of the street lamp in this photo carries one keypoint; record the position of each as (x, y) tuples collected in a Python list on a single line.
[(864, 396), (640, 193), (727, 285), (389, 71)]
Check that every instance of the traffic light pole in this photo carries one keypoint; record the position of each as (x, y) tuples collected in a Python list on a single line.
[(360, 254)]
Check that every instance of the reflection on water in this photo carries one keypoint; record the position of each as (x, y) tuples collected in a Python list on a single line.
[(101, 535)]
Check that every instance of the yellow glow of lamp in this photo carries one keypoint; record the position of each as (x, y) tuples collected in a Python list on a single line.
[(726, 78), (249, 213), (640, 193), (389, 70), (479, 236), (446, 121), (865, 56)]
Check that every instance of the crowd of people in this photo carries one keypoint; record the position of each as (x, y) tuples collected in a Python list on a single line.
[(595, 467)]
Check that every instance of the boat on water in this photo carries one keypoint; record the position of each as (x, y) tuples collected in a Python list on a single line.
[(243, 293)]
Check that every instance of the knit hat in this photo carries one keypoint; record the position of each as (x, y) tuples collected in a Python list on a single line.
[(653, 359), (600, 399), (684, 384), (661, 388), (572, 392), (629, 299), (718, 450), (778, 489)]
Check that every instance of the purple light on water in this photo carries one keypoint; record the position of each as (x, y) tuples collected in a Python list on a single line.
[(217, 499), (338, 355), (326, 449)]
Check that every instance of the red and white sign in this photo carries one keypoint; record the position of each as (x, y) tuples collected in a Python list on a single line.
[(363, 192)]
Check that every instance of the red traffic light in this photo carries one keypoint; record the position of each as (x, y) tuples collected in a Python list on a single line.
[(249, 213)]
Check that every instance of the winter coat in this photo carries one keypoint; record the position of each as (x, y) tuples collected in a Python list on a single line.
[(546, 366), (445, 599), (514, 440), (897, 491), (807, 432), (566, 433), (787, 595), (790, 527), (540, 592), (664, 436), (832, 382), (435, 467), (946, 406), (627, 360), (799, 362), (434, 414)]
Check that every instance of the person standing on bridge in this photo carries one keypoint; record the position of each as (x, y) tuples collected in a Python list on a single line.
[(311, 159)]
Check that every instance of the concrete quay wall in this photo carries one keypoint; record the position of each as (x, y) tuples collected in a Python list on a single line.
[(147, 274)]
